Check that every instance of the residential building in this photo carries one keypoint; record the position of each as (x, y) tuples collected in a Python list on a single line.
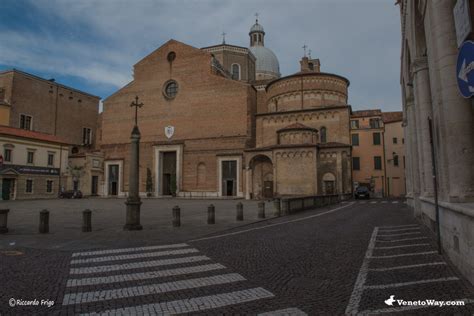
[(34, 165), (394, 140)]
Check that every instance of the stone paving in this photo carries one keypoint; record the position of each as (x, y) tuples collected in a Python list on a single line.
[(311, 263)]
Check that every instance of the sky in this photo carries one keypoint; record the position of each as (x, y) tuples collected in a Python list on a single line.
[(92, 45)]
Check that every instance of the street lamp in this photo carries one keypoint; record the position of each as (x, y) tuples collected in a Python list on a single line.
[(133, 200)]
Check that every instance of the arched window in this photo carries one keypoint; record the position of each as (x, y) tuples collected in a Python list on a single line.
[(236, 71), (322, 131)]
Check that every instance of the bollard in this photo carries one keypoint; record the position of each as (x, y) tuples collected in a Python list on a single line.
[(240, 212), (261, 209), (276, 205), (176, 216), (211, 214), (3, 221), (44, 222), (87, 220)]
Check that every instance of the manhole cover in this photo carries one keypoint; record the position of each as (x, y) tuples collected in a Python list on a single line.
[(12, 253)]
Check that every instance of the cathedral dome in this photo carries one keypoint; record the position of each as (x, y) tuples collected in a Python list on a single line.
[(267, 64)]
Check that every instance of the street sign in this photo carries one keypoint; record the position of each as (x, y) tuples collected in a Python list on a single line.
[(462, 20), (464, 69)]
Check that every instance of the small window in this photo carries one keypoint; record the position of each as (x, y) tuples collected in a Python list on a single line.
[(311, 66), (354, 124), (323, 134), (376, 137), (170, 89), (395, 140), (7, 155), (30, 158), (355, 139), (374, 123), (378, 163), (49, 186), (403, 140), (171, 56), (50, 159), (29, 186), (236, 71), (355, 163), (26, 122), (395, 160), (86, 136)]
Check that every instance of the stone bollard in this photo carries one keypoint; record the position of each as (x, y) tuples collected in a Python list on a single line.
[(240, 212), (3, 221), (211, 214), (176, 216), (87, 220), (44, 222), (261, 209)]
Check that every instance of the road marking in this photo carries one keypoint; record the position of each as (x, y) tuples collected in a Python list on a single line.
[(403, 239), (384, 202), (143, 275), (137, 265), (405, 255), (87, 297), (402, 234), (285, 312), (195, 304), (406, 308), (402, 246), (353, 306), (409, 266), (399, 226), (109, 251), (273, 225), (394, 202), (136, 256), (373, 202), (386, 286), (398, 230)]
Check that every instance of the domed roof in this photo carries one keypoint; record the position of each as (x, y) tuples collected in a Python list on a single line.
[(256, 28), (266, 62)]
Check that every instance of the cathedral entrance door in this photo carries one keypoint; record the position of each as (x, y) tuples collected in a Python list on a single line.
[(268, 189), (229, 178), (168, 176), (113, 179)]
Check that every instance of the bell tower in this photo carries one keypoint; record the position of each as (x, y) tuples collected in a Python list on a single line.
[(256, 34)]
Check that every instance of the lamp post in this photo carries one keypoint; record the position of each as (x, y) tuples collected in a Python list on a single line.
[(133, 200)]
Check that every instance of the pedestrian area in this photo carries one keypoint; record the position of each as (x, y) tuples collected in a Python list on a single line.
[(373, 201), (160, 280), (403, 272)]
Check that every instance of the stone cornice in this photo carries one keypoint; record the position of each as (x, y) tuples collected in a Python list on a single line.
[(418, 64)]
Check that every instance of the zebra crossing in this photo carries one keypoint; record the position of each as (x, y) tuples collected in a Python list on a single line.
[(153, 279)]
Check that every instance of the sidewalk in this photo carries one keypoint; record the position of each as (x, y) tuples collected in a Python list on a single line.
[(108, 218)]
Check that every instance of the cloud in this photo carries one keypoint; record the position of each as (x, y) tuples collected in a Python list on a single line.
[(100, 41)]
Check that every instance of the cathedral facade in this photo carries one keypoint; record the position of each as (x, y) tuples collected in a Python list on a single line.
[(221, 121)]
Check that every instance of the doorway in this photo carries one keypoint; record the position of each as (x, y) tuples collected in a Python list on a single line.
[(8, 189), (229, 178), (168, 173), (95, 185), (113, 180), (267, 189)]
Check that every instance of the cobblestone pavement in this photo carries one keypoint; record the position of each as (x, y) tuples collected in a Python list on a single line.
[(348, 258)]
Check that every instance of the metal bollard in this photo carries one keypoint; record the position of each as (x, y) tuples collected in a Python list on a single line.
[(44, 222), (176, 216), (3, 221), (211, 214), (87, 220), (261, 209), (240, 212)]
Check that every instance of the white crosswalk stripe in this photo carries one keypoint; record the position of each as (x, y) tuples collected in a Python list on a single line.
[(94, 283)]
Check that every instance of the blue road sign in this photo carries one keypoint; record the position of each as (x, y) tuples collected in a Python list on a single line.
[(465, 69)]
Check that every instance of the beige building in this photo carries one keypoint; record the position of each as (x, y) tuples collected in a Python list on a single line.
[(32, 103), (220, 121), (429, 90), (394, 141), (34, 165)]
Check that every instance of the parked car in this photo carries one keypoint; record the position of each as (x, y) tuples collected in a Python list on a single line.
[(362, 193), (71, 194)]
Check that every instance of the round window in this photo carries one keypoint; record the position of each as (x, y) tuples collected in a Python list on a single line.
[(170, 89)]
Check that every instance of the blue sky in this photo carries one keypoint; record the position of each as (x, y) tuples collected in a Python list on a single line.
[(92, 45)]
